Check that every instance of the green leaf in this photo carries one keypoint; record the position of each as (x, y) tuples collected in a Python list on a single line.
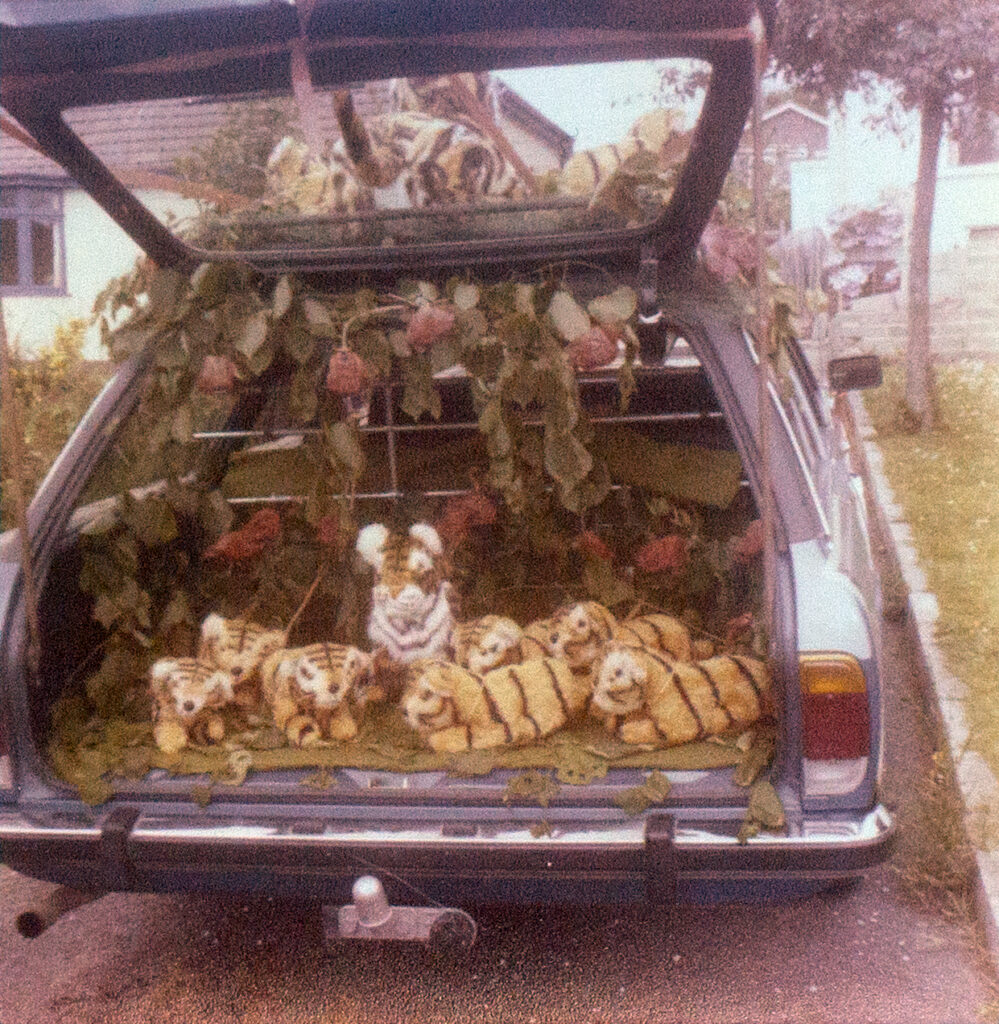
[(166, 288), (638, 799), (298, 343), (252, 335), (604, 585), (182, 426), (445, 354), (318, 317), (373, 346), (106, 612), (215, 514), (466, 296), (282, 297), (566, 459), (303, 399), (151, 520), (615, 308), (568, 318), (419, 394), (129, 341), (346, 446)]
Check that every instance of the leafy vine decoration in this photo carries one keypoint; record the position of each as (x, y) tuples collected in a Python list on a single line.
[(227, 327)]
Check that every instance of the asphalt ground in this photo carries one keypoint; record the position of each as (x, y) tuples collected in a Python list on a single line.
[(903, 946)]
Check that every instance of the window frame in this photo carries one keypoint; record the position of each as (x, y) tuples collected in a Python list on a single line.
[(21, 212)]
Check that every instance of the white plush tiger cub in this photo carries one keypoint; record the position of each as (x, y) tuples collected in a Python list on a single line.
[(411, 615), (188, 695), (648, 698), (456, 710), (487, 643), (314, 690), (240, 648), (579, 632), (422, 160)]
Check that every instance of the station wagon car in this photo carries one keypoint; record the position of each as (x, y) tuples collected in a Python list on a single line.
[(579, 421)]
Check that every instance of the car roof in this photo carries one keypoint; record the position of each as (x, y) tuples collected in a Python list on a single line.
[(56, 54)]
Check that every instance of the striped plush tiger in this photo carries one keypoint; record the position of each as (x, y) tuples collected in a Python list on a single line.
[(314, 690), (646, 697), (406, 159), (239, 647), (537, 638), (188, 695), (411, 615), (658, 631), (487, 643), (455, 710), (579, 632), (656, 133)]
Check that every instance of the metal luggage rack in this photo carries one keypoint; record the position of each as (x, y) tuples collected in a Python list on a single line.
[(389, 426)]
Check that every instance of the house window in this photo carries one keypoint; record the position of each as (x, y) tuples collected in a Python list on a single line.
[(31, 241)]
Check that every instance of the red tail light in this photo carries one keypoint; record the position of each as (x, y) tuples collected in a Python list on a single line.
[(835, 717)]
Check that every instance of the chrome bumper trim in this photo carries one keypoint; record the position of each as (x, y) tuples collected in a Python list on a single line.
[(816, 833)]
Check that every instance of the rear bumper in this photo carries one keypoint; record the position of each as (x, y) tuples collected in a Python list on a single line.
[(656, 857)]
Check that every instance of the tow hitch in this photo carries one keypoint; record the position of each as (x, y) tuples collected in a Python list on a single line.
[(371, 916)]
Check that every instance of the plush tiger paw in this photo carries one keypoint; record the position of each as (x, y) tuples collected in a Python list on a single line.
[(453, 740), (638, 730), (342, 726), (170, 737), (303, 731)]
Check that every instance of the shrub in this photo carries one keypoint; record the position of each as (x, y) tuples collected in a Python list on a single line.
[(54, 389)]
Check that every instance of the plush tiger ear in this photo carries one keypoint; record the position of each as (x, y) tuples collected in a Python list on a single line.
[(161, 673), (371, 542), (213, 627), (428, 537)]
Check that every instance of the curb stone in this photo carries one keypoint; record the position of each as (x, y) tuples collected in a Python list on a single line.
[(944, 692)]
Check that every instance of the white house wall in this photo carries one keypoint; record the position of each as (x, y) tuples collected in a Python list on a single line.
[(97, 250), (865, 166)]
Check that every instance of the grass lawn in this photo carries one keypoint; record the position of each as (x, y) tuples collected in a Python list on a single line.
[(947, 482)]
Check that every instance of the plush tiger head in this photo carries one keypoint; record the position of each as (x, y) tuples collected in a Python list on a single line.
[(487, 643), (323, 676), (186, 687), (579, 631), (237, 646), (410, 610), (619, 681), (432, 695)]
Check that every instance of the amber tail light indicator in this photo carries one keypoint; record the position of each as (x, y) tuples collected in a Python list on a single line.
[(835, 716)]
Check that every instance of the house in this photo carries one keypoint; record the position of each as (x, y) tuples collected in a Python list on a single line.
[(789, 132), (58, 249)]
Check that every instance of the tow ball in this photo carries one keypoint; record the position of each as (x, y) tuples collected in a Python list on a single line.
[(371, 916)]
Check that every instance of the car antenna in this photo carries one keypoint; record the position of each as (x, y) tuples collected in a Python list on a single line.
[(765, 335)]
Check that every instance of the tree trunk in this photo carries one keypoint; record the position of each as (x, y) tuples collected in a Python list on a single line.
[(919, 389)]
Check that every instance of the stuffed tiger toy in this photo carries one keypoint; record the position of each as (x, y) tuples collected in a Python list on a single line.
[(456, 710), (580, 631), (187, 696), (239, 647), (646, 697), (487, 643), (314, 690), (656, 133), (411, 615), (408, 159)]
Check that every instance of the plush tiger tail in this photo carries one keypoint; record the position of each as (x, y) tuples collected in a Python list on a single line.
[(370, 168), (690, 701), (533, 699), (660, 632)]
